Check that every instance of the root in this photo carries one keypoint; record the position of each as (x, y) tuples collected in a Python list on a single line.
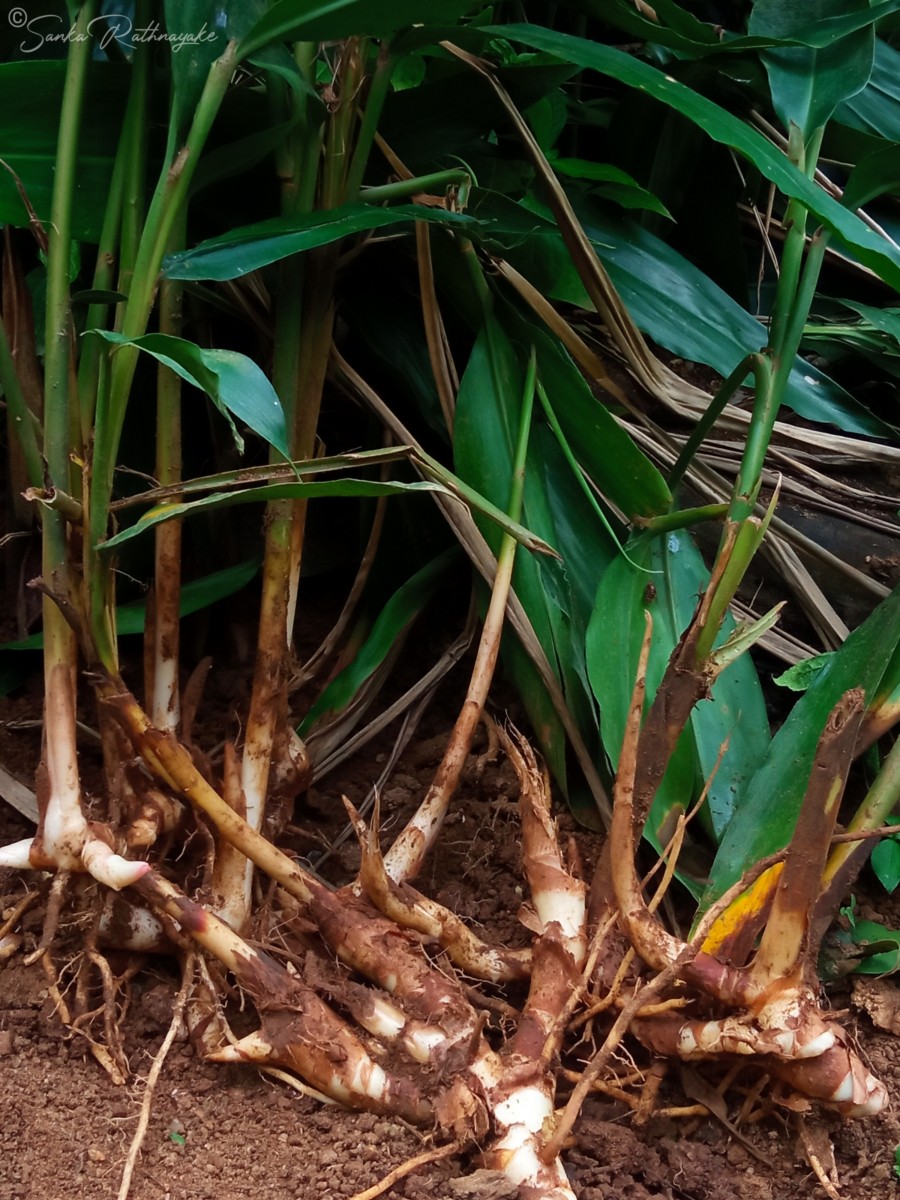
[(407, 1168), (134, 1150), (51, 919)]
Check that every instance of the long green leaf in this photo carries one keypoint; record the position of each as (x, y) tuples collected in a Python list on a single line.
[(555, 595), (723, 127), (876, 109), (273, 491), (619, 469), (681, 31), (254, 246), (233, 382), (672, 301)]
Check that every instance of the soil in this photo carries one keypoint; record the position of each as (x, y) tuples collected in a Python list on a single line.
[(228, 1132)]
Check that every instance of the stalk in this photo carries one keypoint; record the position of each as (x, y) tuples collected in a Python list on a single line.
[(62, 824), (163, 691), (404, 859), (794, 296), (267, 718), (168, 201), (365, 138)]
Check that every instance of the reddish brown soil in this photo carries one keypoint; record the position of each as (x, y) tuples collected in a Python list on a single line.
[(227, 1132)]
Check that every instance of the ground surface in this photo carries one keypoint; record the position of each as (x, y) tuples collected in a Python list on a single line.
[(227, 1133)]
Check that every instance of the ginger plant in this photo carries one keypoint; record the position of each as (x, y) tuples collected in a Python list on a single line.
[(363, 987)]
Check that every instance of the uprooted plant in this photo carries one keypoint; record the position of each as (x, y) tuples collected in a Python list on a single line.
[(362, 995)]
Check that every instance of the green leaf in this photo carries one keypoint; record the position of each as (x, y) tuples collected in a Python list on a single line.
[(334, 20), (620, 187), (391, 624), (233, 382), (883, 945), (885, 320), (254, 246), (875, 174), (673, 302), (556, 596), (886, 863), (273, 491), (722, 127), (30, 100), (199, 31), (621, 471), (767, 807), (808, 83), (613, 644)]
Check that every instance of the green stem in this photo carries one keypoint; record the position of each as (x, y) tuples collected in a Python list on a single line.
[(713, 411), (337, 146), (57, 351), (134, 139), (92, 360), (60, 650), (765, 410), (803, 300), (879, 803), (684, 518), (418, 183), (168, 201), (170, 196), (805, 158), (378, 93)]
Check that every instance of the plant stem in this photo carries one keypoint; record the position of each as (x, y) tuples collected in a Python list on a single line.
[(134, 142), (418, 183), (683, 518), (404, 859), (61, 819), (168, 201), (712, 413), (163, 690), (378, 92), (847, 858)]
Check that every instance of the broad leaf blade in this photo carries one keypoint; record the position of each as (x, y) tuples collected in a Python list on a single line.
[(233, 382), (809, 83), (254, 246)]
